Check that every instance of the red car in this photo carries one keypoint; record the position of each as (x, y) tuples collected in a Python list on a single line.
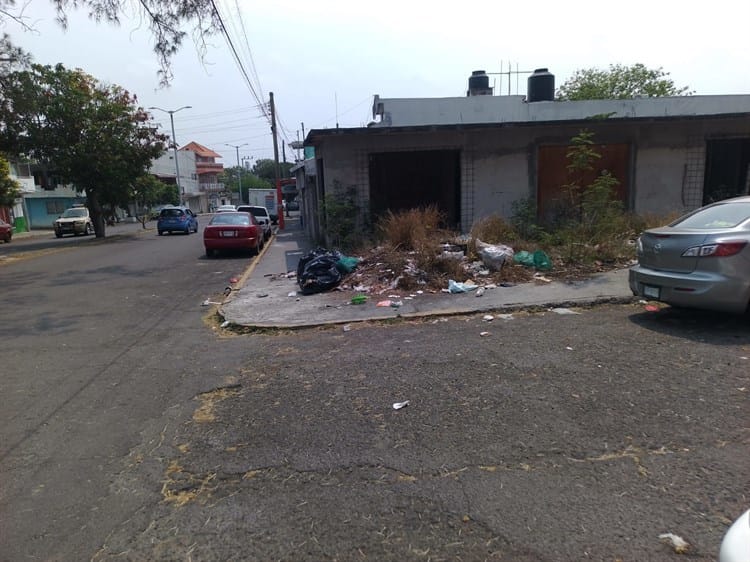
[(233, 231), (6, 231)]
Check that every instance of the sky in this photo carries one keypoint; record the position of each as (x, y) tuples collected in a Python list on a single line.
[(325, 60)]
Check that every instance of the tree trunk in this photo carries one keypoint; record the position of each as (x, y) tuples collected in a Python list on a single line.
[(95, 210)]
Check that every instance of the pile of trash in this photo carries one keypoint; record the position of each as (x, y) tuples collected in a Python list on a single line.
[(322, 270), (387, 270)]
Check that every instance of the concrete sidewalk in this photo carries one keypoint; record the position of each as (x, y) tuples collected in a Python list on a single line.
[(268, 298)]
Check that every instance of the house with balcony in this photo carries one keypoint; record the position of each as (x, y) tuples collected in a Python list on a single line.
[(211, 191)]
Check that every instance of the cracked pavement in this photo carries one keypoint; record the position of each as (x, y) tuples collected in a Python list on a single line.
[(552, 438)]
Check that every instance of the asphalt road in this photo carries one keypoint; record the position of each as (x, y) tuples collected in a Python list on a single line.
[(134, 430)]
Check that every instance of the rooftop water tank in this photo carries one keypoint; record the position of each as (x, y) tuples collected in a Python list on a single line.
[(541, 86), (479, 84)]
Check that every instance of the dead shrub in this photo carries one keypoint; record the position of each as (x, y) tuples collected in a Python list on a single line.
[(412, 229)]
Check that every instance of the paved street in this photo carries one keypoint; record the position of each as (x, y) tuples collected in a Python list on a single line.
[(134, 430)]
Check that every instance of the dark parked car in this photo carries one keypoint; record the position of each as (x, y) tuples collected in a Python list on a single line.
[(233, 230), (701, 260), (176, 219), (6, 231), (75, 220), (292, 206)]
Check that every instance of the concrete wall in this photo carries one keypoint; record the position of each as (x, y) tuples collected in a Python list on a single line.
[(498, 165)]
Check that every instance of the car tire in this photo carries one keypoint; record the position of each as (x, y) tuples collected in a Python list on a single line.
[(187, 231), (87, 230), (161, 233), (209, 253), (58, 234)]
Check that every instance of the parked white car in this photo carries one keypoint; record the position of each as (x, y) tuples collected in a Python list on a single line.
[(225, 209)]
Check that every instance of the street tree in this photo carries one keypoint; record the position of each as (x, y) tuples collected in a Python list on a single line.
[(169, 22), (147, 191), (91, 135), (619, 82), (229, 177), (265, 168), (9, 188)]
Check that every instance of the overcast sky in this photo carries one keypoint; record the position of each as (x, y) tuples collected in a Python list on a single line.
[(324, 60)]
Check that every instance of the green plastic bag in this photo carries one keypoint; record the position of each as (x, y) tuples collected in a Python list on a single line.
[(541, 261), (347, 264), (524, 258)]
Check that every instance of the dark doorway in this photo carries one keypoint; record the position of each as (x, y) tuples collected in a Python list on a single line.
[(553, 174), (727, 162), (407, 180)]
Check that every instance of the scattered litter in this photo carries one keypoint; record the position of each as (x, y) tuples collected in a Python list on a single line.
[(651, 308), (420, 292), (362, 288), (568, 348), (505, 316), (680, 545), (540, 277), (384, 303), (392, 296), (642, 302), (484, 334), (506, 284), (494, 256), (261, 295), (399, 405), (743, 357), (347, 327), (480, 292), (359, 299), (408, 298), (291, 274), (452, 251), (563, 311), (488, 318), (234, 279), (396, 304), (209, 302), (227, 291), (454, 287), (292, 294), (225, 323)]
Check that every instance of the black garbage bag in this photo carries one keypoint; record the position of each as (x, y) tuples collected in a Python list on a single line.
[(317, 271)]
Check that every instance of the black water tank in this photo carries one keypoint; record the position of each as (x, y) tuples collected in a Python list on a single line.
[(541, 86), (479, 84)]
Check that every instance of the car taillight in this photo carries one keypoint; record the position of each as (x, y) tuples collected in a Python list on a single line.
[(720, 250)]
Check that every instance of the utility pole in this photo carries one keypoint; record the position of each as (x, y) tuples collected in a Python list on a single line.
[(239, 169), (277, 170), (180, 188)]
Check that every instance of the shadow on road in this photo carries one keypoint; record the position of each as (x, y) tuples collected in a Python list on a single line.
[(697, 325)]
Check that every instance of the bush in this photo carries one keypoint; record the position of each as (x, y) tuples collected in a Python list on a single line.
[(413, 229)]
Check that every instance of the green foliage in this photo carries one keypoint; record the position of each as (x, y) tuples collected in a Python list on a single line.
[(231, 177), (524, 219), (169, 22), (265, 168), (91, 135), (339, 213), (619, 82), (591, 222), (147, 191), (9, 188)]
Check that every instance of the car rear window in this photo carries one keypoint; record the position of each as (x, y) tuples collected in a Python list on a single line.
[(726, 215), (236, 219), (172, 212)]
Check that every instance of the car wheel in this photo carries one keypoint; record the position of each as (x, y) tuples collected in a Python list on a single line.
[(187, 230), (161, 232), (209, 253), (87, 230), (58, 234)]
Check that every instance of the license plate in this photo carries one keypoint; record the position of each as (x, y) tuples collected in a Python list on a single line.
[(651, 292), (229, 233)]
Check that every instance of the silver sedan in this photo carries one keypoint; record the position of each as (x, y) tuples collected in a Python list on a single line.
[(702, 260)]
